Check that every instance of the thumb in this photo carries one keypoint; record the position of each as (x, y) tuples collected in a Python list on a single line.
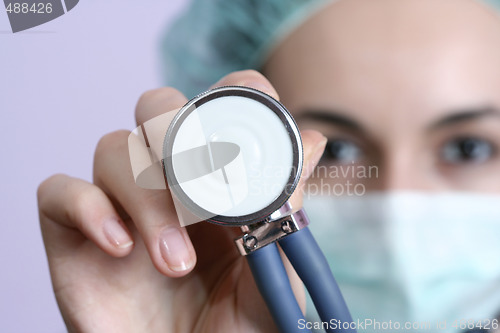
[(314, 144)]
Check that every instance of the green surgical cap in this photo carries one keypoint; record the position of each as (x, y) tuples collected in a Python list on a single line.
[(215, 37)]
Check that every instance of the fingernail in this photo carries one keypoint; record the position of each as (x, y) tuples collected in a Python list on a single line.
[(116, 234), (174, 249)]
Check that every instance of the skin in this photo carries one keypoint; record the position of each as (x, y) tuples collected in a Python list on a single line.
[(399, 69), (396, 68)]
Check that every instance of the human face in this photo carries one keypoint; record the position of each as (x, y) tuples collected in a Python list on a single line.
[(406, 91)]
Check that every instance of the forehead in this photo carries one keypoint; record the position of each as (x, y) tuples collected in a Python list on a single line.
[(392, 53)]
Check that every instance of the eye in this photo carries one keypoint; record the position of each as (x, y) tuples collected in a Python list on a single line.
[(341, 151), (467, 150)]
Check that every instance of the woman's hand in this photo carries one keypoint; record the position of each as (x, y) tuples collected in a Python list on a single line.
[(119, 260)]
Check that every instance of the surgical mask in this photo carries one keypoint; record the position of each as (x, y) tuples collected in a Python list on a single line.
[(421, 259)]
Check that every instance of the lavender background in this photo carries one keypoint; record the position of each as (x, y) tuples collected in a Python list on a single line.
[(62, 86)]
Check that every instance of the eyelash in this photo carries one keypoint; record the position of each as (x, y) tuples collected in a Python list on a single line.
[(462, 150), (341, 151), (467, 150)]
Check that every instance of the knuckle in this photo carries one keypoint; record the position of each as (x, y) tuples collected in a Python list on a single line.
[(250, 78), (147, 97), (252, 73), (81, 202), (110, 142), (244, 75), (43, 189), (153, 97)]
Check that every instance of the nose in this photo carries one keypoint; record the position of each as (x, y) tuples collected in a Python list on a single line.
[(403, 169)]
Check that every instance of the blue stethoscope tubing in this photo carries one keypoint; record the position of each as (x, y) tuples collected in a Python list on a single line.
[(309, 262)]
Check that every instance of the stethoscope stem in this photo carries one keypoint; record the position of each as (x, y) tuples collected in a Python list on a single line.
[(312, 267), (274, 286)]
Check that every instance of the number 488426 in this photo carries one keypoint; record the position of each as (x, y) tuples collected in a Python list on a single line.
[(25, 8)]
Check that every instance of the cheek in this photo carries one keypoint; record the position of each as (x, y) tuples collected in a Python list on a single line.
[(342, 180), (479, 179)]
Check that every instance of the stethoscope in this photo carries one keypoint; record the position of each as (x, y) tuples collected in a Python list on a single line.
[(233, 156)]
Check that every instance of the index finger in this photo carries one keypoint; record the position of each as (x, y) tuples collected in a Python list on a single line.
[(155, 102), (248, 78)]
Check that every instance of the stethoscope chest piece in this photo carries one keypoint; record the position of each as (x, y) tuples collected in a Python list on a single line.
[(232, 156)]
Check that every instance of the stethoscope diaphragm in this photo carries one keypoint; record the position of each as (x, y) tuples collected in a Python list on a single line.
[(232, 156)]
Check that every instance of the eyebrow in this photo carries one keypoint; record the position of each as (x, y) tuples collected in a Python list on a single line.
[(455, 117), (466, 115), (332, 117)]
